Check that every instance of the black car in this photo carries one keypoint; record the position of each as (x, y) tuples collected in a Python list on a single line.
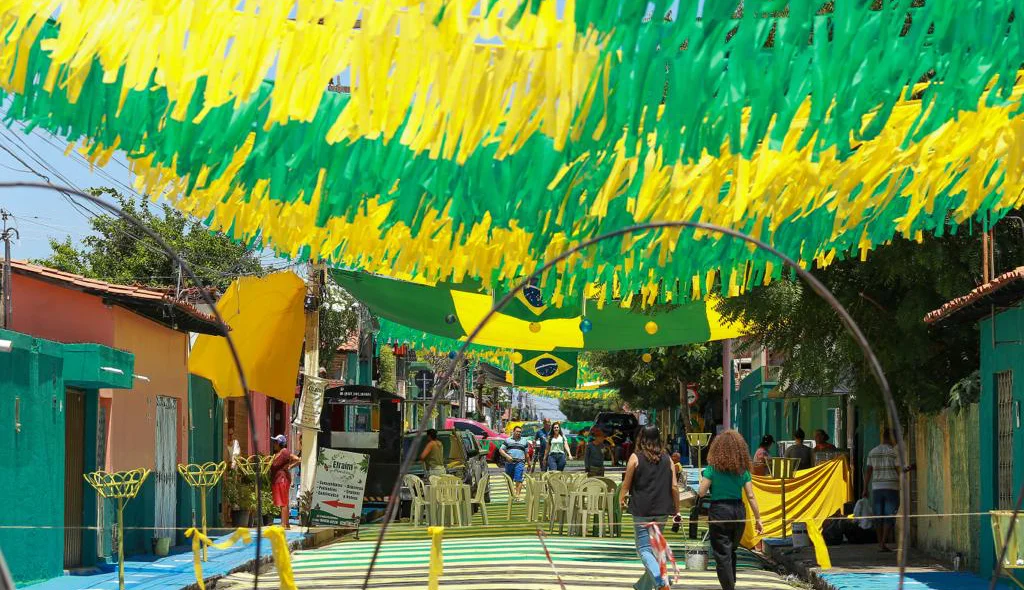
[(616, 426)]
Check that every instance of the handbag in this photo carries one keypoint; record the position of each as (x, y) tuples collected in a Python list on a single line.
[(861, 510)]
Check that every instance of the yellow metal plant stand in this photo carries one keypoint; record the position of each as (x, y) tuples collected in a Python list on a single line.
[(699, 440), (254, 464), (1014, 560), (121, 486), (783, 468), (203, 476)]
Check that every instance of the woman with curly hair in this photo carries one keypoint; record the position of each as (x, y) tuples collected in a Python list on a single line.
[(724, 481), (650, 481)]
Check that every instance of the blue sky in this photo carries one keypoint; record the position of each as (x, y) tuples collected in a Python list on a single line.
[(41, 215)]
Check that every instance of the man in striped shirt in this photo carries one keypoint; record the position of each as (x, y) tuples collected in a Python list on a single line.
[(882, 478)]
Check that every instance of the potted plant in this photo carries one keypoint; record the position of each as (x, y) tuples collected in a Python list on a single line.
[(234, 495), (270, 512), (305, 508)]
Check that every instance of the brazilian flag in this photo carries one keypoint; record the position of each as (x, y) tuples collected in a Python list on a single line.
[(547, 369), (453, 310)]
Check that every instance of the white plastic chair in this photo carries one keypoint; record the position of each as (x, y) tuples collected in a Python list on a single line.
[(536, 499), (593, 497), (420, 507), (447, 497), (558, 503), (511, 494), (481, 499)]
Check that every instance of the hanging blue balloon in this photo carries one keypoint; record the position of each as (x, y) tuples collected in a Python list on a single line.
[(586, 325), (451, 354), (450, 318)]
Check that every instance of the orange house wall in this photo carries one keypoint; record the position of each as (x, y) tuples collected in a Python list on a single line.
[(55, 313), (160, 355)]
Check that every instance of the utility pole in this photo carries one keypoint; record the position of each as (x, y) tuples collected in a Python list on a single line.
[(5, 283), (311, 367), (726, 384)]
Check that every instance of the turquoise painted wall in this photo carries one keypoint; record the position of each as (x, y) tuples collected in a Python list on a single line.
[(32, 464), (1006, 354)]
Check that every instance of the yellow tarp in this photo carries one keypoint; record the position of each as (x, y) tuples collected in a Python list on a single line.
[(267, 322), (812, 496)]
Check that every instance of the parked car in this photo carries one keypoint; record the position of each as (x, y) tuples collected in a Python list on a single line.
[(488, 439), (617, 426), (463, 456)]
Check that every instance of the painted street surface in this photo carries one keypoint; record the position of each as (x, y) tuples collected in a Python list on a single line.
[(505, 554)]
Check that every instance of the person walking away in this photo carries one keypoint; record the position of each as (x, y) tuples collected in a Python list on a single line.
[(558, 449), (762, 455), (593, 456), (281, 476), (433, 455), (513, 449), (723, 482), (883, 480), (650, 481), (799, 450)]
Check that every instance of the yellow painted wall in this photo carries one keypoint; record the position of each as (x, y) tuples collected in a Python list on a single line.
[(160, 355)]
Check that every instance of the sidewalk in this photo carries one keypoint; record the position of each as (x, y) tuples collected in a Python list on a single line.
[(176, 570), (863, 567)]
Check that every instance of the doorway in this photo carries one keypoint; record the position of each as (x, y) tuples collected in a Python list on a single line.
[(166, 474), (1004, 447), (74, 469)]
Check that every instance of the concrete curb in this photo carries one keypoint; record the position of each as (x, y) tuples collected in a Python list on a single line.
[(800, 564)]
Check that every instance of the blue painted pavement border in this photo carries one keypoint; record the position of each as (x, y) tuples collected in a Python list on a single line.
[(174, 571), (913, 581)]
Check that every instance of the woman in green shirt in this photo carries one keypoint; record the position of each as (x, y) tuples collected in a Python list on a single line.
[(558, 450), (724, 481)]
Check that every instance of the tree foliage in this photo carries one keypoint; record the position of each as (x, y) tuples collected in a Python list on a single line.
[(339, 317), (888, 296), (120, 252), (657, 384)]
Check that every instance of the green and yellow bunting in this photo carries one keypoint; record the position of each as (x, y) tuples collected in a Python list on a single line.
[(457, 159)]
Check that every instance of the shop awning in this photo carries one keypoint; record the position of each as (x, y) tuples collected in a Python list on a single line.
[(94, 366)]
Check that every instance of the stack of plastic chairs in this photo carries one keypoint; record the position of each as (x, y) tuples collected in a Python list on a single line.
[(480, 498), (446, 491), (593, 504), (536, 498)]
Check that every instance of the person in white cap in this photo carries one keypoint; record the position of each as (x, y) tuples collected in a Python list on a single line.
[(281, 475)]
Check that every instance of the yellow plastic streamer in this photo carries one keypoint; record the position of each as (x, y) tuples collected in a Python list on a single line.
[(436, 559), (812, 496), (282, 557), (199, 540)]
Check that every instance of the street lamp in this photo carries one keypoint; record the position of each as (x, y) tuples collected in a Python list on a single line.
[(783, 468)]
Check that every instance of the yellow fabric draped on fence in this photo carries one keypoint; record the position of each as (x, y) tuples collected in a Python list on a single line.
[(811, 496)]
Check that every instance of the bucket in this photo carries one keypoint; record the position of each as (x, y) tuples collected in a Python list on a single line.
[(162, 546), (697, 559), (800, 537)]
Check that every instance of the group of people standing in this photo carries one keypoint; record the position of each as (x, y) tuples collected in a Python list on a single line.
[(550, 446), (797, 450)]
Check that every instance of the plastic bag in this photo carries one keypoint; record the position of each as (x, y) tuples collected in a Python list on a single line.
[(863, 509)]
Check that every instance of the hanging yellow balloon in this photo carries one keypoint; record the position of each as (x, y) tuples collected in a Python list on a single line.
[(651, 328), (534, 327), (646, 357), (517, 357)]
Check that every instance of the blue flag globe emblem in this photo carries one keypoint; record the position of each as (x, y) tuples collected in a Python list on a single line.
[(546, 367), (533, 296)]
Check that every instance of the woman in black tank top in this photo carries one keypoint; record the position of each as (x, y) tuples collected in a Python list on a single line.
[(650, 481)]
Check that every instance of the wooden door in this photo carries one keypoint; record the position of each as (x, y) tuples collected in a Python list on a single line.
[(74, 466)]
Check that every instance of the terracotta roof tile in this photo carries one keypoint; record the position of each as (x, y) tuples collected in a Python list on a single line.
[(997, 286), (351, 343), (150, 303)]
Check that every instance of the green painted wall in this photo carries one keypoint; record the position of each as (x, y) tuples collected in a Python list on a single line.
[(32, 464), (206, 444), (1005, 352)]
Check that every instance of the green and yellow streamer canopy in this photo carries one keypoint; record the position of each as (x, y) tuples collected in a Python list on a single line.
[(453, 310), (483, 137)]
